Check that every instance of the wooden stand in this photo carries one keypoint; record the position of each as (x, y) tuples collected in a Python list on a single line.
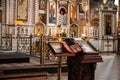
[(59, 62), (83, 67)]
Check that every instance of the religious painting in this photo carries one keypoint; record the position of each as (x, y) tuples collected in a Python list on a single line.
[(94, 10), (80, 8), (42, 18), (56, 47), (22, 7), (73, 13), (63, 10), (85, 6), (81, 14), (73, 30), (42, 4), (39, 29), (108, 24), (52, 12), (76, 48)]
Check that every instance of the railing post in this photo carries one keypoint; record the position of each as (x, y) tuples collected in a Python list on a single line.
[(41, 52), (6, 40), (17, 42), (30, 44), (11, 41)]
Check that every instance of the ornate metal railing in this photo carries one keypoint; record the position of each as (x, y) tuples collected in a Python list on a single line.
[(32, 45), (24, 44), (6, 42)]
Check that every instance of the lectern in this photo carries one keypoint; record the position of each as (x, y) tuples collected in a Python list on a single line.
[(80, 67), (56, 48), (83, 67)]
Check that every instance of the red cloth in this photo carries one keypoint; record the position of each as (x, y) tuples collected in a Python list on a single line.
[(73, 49), (66, 48)]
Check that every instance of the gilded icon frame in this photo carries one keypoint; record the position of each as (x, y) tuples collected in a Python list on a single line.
[(52, 12), (22, 10), (42, 4)]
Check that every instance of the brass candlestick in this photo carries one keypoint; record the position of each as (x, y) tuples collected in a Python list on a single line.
[(59, 32)]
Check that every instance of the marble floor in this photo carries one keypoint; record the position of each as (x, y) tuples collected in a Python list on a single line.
[(109, 69)]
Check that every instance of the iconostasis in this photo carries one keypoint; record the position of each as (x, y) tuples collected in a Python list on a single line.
[(58, 12), (67, 12), (52, 14)]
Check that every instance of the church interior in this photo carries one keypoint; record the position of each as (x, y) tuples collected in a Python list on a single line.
[(59, 39)]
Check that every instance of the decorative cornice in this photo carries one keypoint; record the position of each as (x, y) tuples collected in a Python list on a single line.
[(109, 6)]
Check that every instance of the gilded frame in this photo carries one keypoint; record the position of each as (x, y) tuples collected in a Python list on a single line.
[(56, 47), (73, 13), (73, 30), (22, 10), (42, 4), (52, 12), (63, 12)]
